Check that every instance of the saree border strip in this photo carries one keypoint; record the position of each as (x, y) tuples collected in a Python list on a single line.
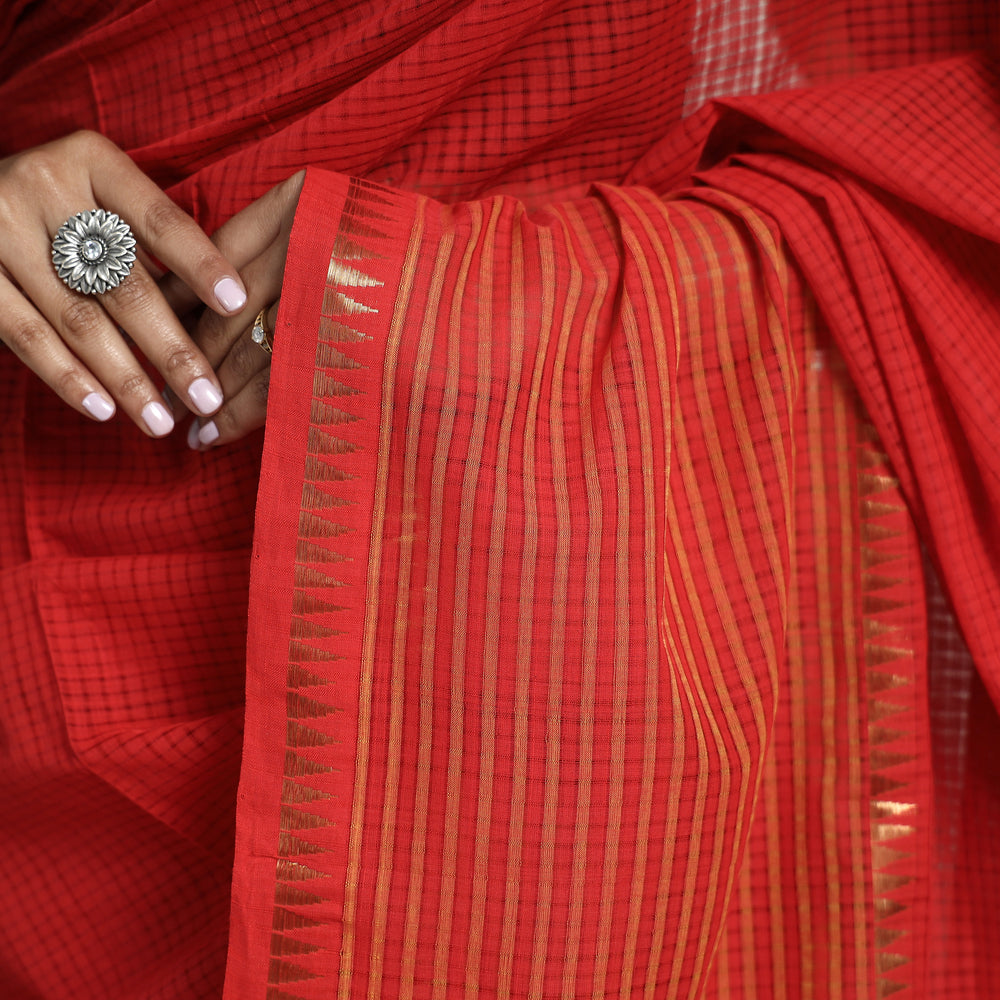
[(891, 666), (326, 638)]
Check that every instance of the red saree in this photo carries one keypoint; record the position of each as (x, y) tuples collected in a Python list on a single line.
[(596, 645)]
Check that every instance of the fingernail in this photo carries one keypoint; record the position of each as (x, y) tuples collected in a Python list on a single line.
[(208, 433), (98, 406), (229, 295), (193, 435), (205, 396), (158, 419)]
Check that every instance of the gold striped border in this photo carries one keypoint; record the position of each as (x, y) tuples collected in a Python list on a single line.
[(318, 601), (889, 656)]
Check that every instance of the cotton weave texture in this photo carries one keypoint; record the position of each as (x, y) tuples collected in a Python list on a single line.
[(610, 606)]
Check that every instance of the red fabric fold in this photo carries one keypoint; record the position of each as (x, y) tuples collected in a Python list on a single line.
[(898, 237)]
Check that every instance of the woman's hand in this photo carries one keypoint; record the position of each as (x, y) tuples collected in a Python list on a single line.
[(256, 239), (74, 342)]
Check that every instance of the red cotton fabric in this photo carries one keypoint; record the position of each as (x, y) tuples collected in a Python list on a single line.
[(609, 607)]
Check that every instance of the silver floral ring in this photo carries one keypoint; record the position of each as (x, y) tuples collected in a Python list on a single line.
[(94, 251)]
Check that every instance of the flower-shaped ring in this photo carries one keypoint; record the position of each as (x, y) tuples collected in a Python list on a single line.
[(93, 251)]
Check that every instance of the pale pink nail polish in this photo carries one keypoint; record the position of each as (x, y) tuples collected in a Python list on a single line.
[(208, 433), (98, 406), (192, 437), (229, 295), (206, 398), (158, 419)]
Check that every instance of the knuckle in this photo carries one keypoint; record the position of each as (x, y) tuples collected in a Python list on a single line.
[(214, 330), (134, 294), (179, 359), (33, 170), (132, 385), (25, 336), (261, 387), (67, 382), (210, 262), (161, 219), (80, 318), (243, 361), (88, 139), (225, 422), (86, 145)]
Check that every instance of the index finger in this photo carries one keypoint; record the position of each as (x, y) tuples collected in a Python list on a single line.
[(245, 236), (167, 231)]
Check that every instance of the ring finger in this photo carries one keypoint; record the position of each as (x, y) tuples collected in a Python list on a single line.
[(247, 370)]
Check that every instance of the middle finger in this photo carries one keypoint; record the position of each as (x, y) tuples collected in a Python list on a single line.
[(139, 308)]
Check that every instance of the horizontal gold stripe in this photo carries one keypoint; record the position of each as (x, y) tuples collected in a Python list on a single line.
[(322, 443), (303, 736), (306, 653), (289, 920), (876, 508), (883, 810), (310, 552), (886, 987), (885, 936), (883, 856), (289, 846), (280, 971), (293, 895), (295, 871), (890, 831), (343, 274), (881, 784), (335, 332), (297, 819), (889, 960), (300, 767), (305, 631), (301, 707), (324, 414), (886, 907), (885, 882), (880, 682), (306, 603), (880, 735), (878, 532), (292, 792), (344, 248), (873, 482), (298, 676), (881, 710), (283, 945)]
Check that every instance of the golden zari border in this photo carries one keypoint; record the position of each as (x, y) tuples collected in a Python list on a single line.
[(317, 599), (890, 673)]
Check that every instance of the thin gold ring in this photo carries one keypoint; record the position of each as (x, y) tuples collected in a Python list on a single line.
[(260, 334)]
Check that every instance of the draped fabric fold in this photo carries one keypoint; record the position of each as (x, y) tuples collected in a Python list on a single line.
[(622, 562)]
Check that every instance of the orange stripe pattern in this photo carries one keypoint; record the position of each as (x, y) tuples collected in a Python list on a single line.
[(574, 592)]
